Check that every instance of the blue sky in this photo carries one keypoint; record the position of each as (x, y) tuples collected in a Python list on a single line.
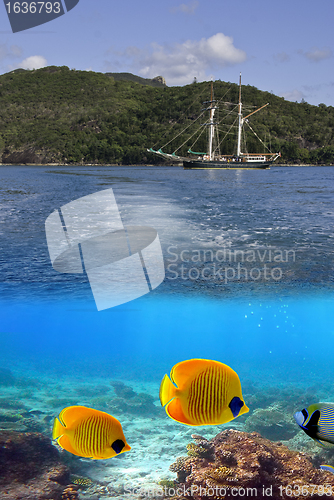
[(285, 46)]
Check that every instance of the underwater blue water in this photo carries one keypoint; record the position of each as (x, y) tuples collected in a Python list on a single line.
[(218, 231)]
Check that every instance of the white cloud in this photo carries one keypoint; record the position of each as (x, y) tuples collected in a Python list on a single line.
[(32, 62), (316, 54), (180, 63), (186, 8)]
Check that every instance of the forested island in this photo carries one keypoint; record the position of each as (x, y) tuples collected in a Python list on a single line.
[(58, 115)]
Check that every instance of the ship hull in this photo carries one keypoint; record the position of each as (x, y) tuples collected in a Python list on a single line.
[(192, 164)]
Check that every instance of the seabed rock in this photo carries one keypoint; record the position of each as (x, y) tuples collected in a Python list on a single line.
[(272, 423), (246, 464), (129, 401), (30, 469)]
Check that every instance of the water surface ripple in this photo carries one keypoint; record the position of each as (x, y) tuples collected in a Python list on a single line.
[(208, 222)]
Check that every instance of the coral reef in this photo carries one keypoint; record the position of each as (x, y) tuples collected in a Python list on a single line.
[(129, 401), (30, 468), (122, 390), (70, 493), (202, 447), (141, 404), (246, 464), (22, 420), (183, 467), (273, 423), (292, 398)]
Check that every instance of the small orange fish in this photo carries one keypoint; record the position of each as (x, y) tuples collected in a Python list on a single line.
[(207, 393), (89, 433)]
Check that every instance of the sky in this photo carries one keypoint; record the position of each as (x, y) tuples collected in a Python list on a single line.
[(282, 46)]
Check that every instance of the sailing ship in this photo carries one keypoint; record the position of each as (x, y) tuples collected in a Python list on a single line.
[(213, 158)]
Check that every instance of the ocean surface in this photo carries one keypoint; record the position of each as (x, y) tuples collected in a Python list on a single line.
[(248, 259)]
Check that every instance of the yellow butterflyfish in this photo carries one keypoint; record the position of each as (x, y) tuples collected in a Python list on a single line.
[(89, 433), (207, 393)]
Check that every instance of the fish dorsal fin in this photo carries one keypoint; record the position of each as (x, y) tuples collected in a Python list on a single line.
[(73, 414), (185, 371)]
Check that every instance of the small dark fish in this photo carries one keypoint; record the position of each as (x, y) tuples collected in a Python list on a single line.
[(83, 482)]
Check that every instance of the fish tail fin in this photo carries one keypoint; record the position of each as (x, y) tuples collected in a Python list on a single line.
[(167, 390), (58, 429), (324, 444)]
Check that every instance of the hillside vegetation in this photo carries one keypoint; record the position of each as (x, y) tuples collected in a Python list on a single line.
[(57, 115), (158, 81)]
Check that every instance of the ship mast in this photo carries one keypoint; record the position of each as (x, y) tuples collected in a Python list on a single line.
[(240, 121), (211, 124)]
